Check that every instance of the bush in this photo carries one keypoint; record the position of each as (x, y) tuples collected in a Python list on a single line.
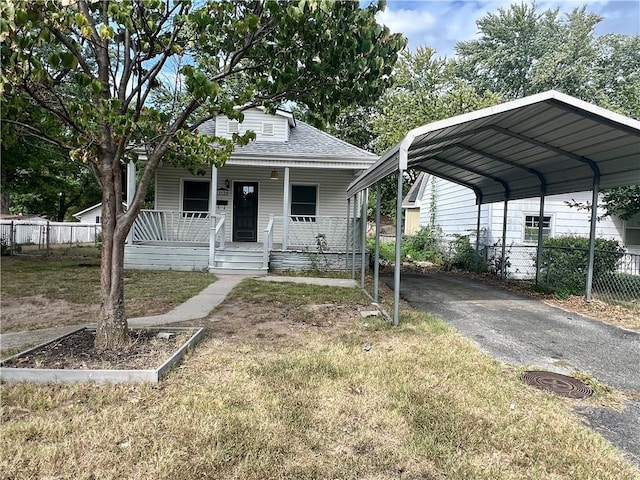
[(426, 245), (5, 248), (565, 260), (463, 256)]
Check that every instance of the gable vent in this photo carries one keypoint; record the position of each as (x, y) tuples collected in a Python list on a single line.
[(232, 126), (267, 128)]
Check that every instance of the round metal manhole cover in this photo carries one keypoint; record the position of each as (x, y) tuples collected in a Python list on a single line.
[(562, 385)]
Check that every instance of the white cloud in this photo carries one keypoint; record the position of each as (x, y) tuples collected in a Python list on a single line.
[(440, 24), (409, 22)]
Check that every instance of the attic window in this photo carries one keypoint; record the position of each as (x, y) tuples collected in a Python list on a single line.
[(267, 128), (232, 126)]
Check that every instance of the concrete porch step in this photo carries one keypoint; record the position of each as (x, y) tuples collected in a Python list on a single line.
[(239, 271)]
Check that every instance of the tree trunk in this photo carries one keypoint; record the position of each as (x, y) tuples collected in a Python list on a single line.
[(112, 332), (5, 201)]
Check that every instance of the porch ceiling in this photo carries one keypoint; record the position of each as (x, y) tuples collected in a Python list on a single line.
[(514, 149)]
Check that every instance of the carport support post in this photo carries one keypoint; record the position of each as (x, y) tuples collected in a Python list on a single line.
[(478, 227), (397, 266), (213, 194), (346, 265), (363, 232), (592, 234), (376, 261), (503, 267), (353, 235), (540, 230)]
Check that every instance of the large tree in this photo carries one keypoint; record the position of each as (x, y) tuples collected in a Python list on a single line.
[(214, 55)]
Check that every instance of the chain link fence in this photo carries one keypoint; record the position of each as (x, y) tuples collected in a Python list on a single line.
[(616, 275), (18, 236)]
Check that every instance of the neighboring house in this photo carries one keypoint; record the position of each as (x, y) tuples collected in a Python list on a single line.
[(411, 204), (279, 201), (456, 213), (92, 214)]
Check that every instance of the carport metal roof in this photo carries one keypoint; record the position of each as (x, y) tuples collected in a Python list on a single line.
[(545, 144), (548, 141)]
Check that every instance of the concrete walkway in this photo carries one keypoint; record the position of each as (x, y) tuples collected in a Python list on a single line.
[(195, 308)]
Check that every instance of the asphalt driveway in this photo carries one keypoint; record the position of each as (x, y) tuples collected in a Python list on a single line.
[(523, 331)]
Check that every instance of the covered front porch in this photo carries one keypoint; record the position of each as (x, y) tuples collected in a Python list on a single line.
[(179, 240)]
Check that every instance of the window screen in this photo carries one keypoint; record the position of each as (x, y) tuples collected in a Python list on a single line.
[(195, 196)]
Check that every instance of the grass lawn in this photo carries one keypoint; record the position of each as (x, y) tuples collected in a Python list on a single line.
[(291, 382), (72, 277)]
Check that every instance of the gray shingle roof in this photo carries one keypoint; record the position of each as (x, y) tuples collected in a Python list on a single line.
[(304, 140)]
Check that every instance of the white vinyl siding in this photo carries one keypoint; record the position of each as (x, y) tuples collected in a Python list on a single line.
[(456, 214), (258, 122)]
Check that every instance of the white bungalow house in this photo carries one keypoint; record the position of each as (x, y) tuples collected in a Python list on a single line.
[(456, 213), (278, 202)]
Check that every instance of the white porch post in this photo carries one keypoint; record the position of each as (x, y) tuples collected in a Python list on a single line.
[(213, 196), (131, 192), (285, 210)]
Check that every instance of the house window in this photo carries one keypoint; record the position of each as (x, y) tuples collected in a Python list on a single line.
[(531, 228), (98, 219), (195, 196), (267, 128), (304, 201), (632, 231), (232, 126)]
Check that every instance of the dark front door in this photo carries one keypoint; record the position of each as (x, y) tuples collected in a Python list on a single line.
[(245, 212)]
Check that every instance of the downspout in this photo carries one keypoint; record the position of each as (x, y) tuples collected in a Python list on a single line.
[(592, 233), (376, 264)]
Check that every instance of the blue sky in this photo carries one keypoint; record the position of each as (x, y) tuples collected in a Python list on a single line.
[(440, 23)]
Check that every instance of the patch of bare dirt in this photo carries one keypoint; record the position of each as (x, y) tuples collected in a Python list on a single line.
[(76, 351), (29, 313), (241, 321)]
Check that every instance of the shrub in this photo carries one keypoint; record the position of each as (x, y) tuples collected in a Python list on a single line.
[(424, 245), (565, 260), (463, 256), (5, 248)]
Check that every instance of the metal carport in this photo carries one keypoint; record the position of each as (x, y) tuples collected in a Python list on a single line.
[(544, 144)]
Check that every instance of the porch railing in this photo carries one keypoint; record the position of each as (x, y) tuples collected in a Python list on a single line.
[(317, 232), (267, 244), (172, 227)]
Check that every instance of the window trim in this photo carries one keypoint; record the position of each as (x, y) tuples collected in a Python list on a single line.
[(317, 204), (628, 226), (188, 179), (537, 217)]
